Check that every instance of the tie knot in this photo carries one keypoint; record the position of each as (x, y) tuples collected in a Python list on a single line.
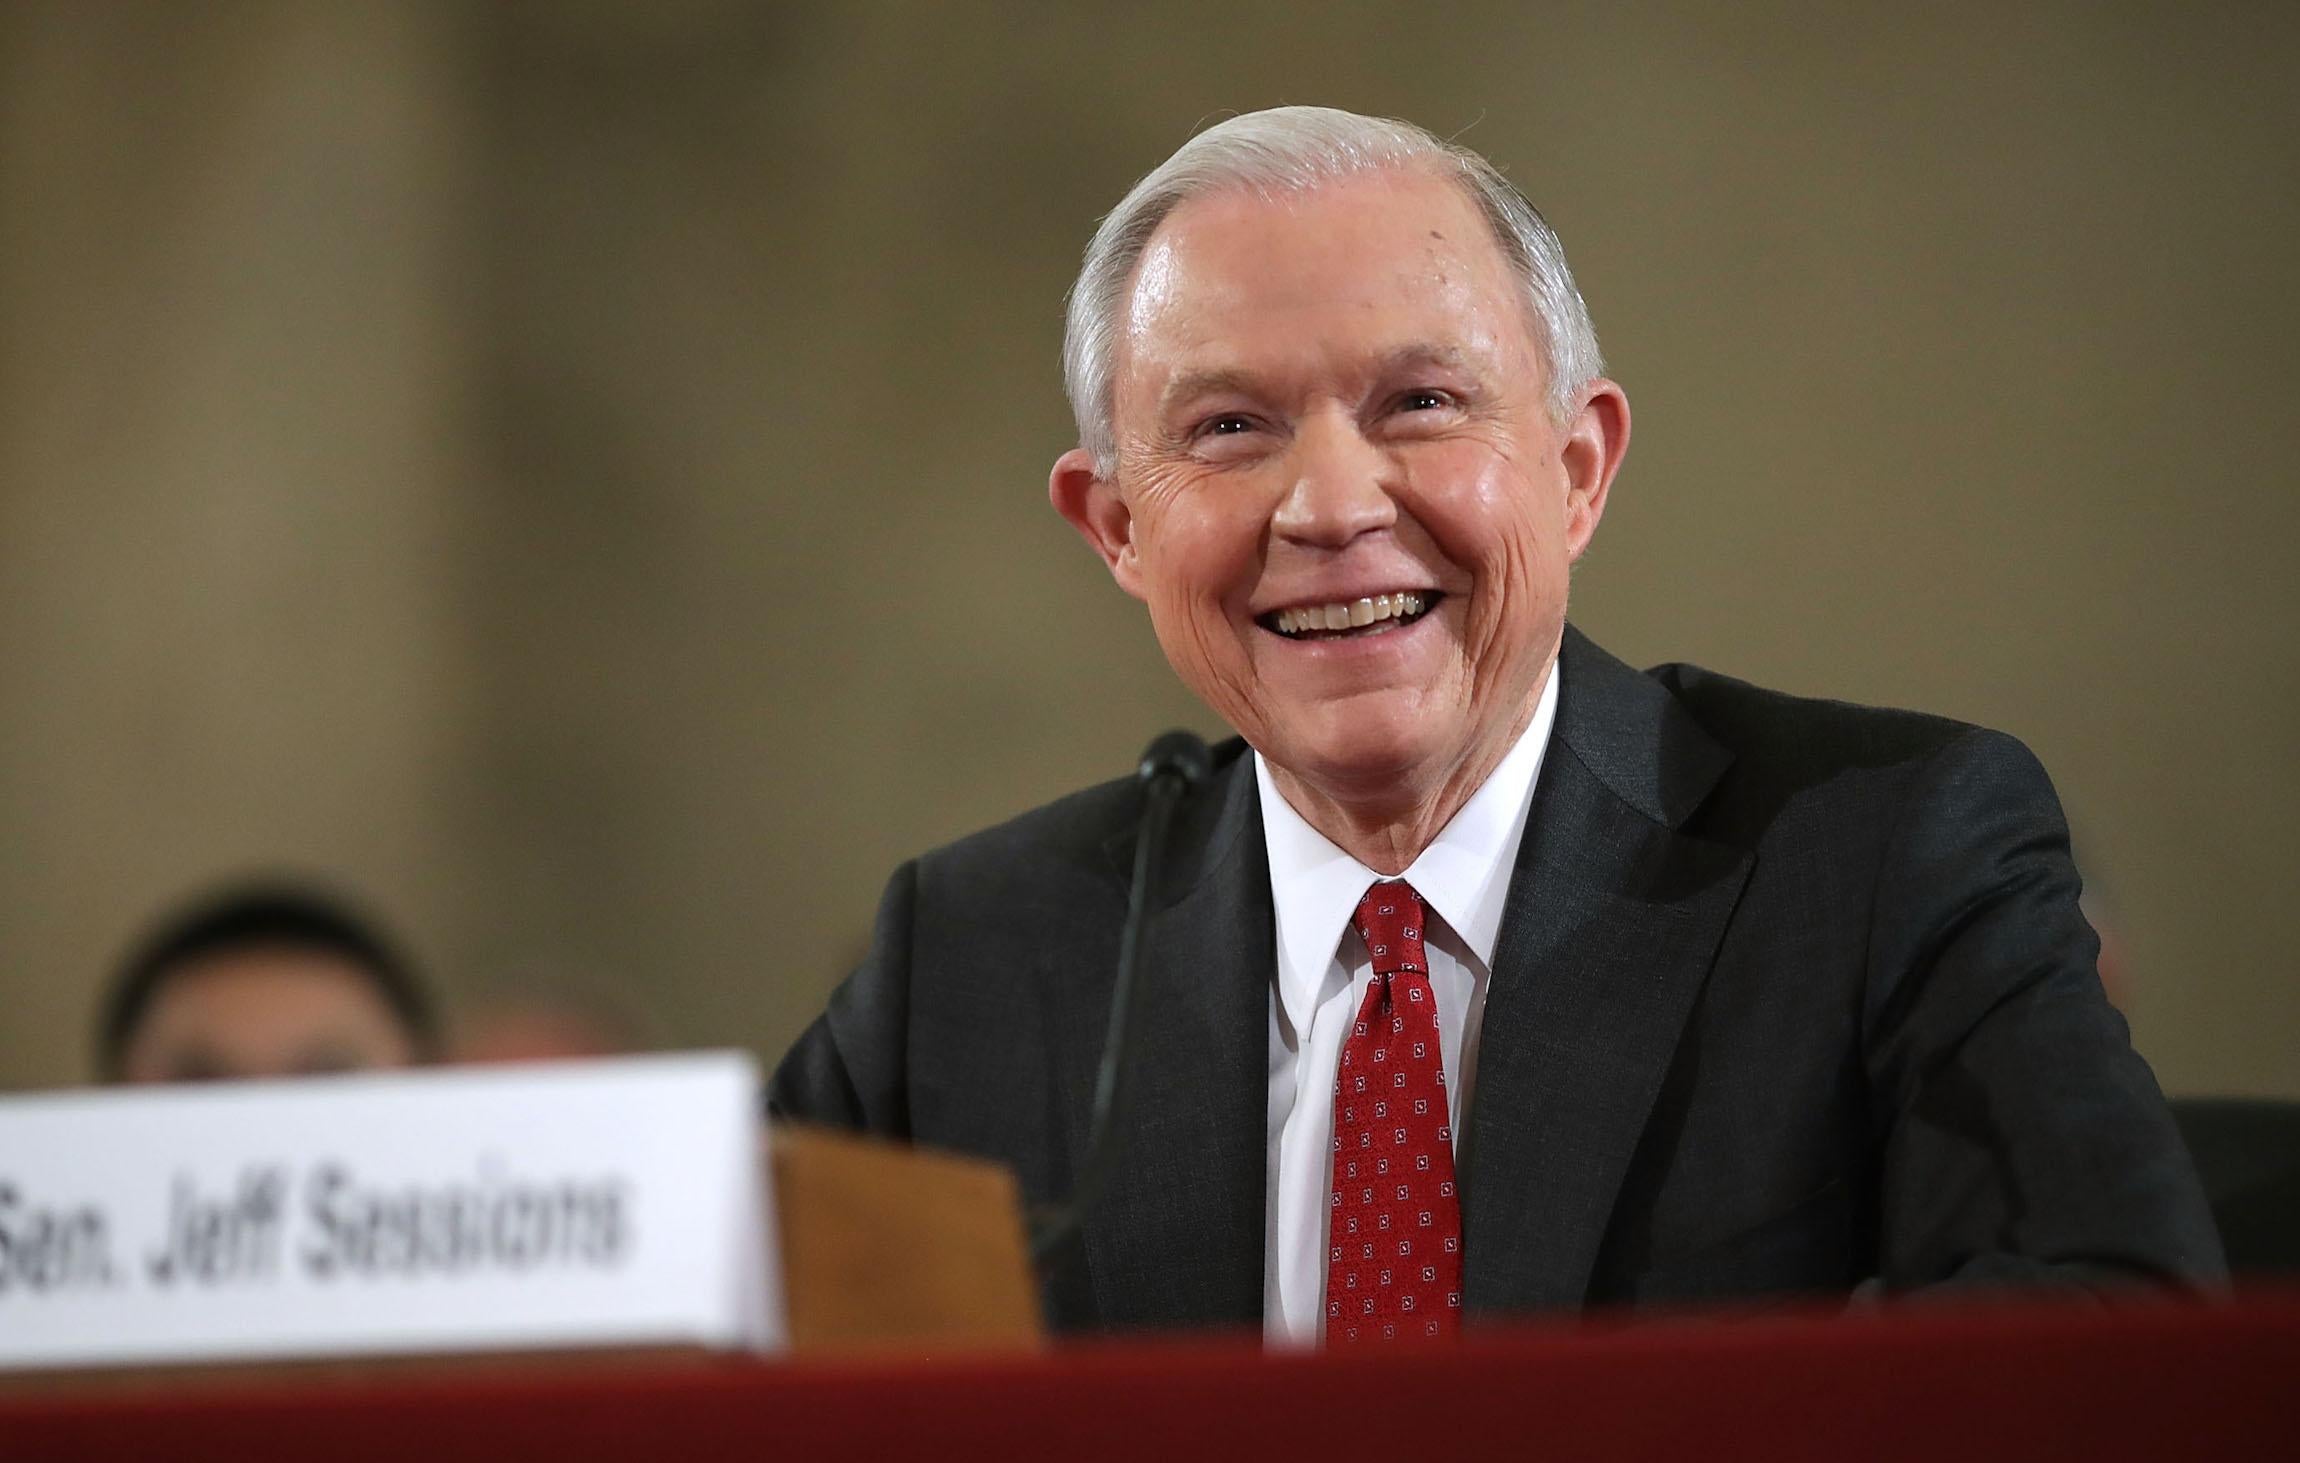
[(1389, 920)]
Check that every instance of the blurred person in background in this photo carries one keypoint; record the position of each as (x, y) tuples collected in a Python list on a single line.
[(268, 980), (548, 1018), (2101, 911)]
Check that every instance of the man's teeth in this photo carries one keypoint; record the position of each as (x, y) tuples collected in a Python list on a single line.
[(1353, 615)]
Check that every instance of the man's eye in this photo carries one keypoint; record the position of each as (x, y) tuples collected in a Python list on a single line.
[(1229, 424), (1425, 401)]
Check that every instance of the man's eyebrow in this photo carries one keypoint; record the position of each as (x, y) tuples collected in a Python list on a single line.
[(1425, 353), (1216, 381), (1192, 384)]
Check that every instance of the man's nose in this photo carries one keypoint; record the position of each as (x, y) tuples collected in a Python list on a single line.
[(1340, 488)]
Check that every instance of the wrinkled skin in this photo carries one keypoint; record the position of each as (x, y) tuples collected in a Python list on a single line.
[(1332, 394)]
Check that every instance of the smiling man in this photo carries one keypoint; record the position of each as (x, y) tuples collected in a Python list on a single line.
[(1489, 975)]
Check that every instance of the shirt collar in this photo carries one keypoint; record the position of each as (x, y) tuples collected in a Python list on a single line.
[(1463, 875)]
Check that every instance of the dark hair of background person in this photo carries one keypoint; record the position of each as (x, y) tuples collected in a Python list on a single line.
[(251, 918)]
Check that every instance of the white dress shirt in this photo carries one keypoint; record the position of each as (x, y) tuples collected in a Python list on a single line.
[(1323, 970)]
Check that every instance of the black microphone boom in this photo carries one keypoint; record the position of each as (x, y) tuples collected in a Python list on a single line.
[(1171, 766)]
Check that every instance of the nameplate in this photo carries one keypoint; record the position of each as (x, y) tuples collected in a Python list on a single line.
[(615, 1203)]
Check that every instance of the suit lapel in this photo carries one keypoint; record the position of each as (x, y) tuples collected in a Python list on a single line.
[(1612, 920), (1177, 1238)]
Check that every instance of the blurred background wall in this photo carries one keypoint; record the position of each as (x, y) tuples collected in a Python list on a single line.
[(574, 471)]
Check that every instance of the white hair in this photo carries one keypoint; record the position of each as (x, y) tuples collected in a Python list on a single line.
[(1288, 149)]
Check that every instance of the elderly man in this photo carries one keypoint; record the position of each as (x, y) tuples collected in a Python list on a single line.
[(1489, 975)]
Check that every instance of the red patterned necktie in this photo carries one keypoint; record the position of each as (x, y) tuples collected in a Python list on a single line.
[(1394, 1259)]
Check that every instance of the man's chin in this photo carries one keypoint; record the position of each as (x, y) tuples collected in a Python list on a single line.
[(1365, 763)]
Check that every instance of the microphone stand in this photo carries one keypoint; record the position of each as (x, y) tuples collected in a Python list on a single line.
[(1171, 766)]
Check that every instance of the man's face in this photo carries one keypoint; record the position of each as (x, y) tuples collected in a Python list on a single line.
[(264, 1013), (1331, 407)]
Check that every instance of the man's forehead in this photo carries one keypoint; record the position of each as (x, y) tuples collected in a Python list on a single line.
[(1380, 242), (1412, 219)]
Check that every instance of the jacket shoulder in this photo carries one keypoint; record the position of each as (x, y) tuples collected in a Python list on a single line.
[(1765, 728), (1794, 759)]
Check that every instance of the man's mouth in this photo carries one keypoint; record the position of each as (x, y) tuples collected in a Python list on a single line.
[(1349, 618)]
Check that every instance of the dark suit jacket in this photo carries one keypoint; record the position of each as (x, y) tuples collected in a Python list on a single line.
[(1788, 995)]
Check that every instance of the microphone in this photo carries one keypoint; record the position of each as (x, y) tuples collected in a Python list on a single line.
[(1171, 766), (1175, 754)]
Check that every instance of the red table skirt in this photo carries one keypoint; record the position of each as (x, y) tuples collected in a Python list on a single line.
[(2028, 1382)]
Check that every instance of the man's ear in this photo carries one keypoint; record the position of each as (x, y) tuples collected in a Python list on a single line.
[(1595, 442), (1093, 507)]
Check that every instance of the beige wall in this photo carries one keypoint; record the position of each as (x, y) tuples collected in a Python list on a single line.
[(575, 471)]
